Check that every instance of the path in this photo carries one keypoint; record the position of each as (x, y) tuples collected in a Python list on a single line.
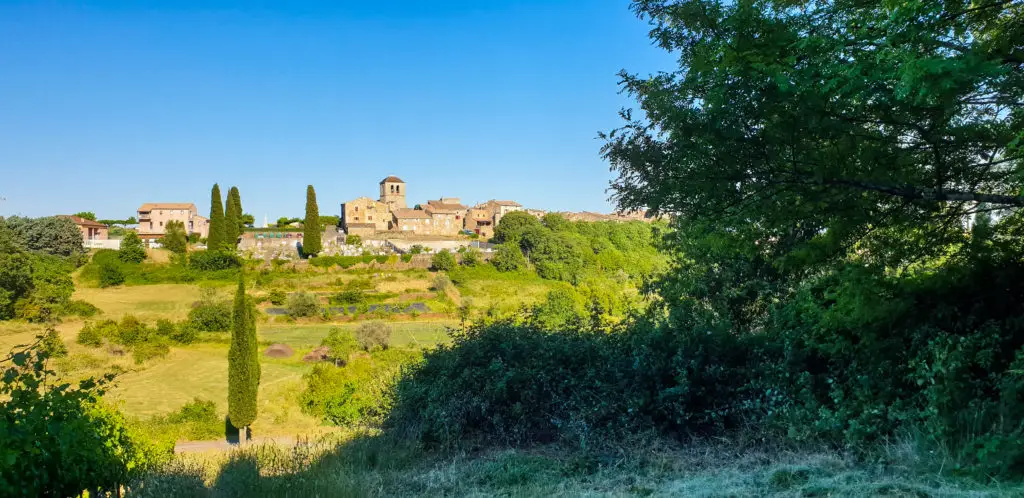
[(224, 445)]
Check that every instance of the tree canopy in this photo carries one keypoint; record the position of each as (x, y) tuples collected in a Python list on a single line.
[(175, 239), (243, 362), (49, 235), (233, 226), (86, 215), (809, 128), (218, 231)]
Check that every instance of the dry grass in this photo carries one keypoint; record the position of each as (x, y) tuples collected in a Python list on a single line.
[(147, 302)]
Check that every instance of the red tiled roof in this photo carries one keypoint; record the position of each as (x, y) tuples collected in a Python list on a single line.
[(392, 179), (82, 222)]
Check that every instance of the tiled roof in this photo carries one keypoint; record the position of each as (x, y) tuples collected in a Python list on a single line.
[(507, 203), (405, 213), (82, 222), (392, 179), (149, 206), (437, 207)]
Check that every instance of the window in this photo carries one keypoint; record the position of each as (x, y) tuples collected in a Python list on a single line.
[(357, 209), (161, 223), (369, 218), (397, 189)]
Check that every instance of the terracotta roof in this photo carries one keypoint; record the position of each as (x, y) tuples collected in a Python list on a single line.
[(82, 222), (507, 203), (437, 207), (392, 179), (405, 213), (149, 206)]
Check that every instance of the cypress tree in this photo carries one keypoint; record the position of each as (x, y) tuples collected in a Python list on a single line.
[(243, 362), (312, 230), (232, 219), (215, 241)]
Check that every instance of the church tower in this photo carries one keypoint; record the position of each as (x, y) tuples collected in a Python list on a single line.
[(392, 192)]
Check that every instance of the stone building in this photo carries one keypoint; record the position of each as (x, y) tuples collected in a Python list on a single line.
[(415, 221), (154, 216), (365, 214), (392, 192), (448, 215), (481, 222)]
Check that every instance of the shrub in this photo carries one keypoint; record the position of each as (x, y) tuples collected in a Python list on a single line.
[(185, 332), (354, 240), (132, 249), (406, 258), (441, 283), (303, 304), (131, 331), (443, 261), (356, 394), (210, 315), (348, 297), (53, 344), (373, 335), (79, 308), (416, 249), (111, 274), (90, 336), (214, 260), (154, 347), (277, 297), (508, 257), (165, 328), (340, 343), (471, 257)]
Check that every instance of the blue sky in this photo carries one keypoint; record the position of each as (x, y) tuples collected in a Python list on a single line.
[(106, 105)]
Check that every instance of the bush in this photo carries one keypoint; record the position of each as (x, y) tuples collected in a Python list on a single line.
[(277, 297), (214, 260), (79, 308), (406, 258), (155, 347), (53, 344), (185, 332), (353, 240), (340, 343), (471, 257), (165, 328), (210, 315), (132, 249), (356, 394), (441, 283), (303, 304), (131, 331), (90, 336), (111, 274), (443, 261), (348, 297), (508, 258), (373, 335)]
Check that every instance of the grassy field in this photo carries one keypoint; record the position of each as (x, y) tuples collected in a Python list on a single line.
[(372, 467)]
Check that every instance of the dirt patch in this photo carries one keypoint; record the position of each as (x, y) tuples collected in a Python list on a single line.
[(318, 354), (279, 351)]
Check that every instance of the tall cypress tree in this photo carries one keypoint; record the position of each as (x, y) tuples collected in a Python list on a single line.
[(215, 240), (232, 219), (243, 362), (313, 231)]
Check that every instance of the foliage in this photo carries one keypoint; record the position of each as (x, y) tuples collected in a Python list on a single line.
[(471, 257), (443, 261), (86, 215), (233, 225), (58, 439), (277, 297), (33, 286), (353, 240), (514, 225), (330, 221), (79, 308), (303, 304), (561, 309), (416, 249), (243, 362), (53, 345), (816, 129), (217, 237), (508, 257), (49, 235), (356, 394), (346, 297), (341, 344), (373, 335), (248, 220), (175, 239), (214, 260), (210, 314), (312, 229), (132, 249)]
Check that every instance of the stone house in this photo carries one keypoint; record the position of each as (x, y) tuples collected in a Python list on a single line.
[(415, 221), (154, 216), (448, 215), (365, 214), (91, 230), (392, 192), (481, 222)]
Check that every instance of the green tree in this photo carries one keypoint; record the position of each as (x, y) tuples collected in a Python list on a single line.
[(330, 221), (513, 225), (132, 249), (243, 362), (443, 261), (509, 257), (175, 239), (233, 226), (312, 231), (248, 220), (86, 215), (215, 241), (49, 235), (803, 129)]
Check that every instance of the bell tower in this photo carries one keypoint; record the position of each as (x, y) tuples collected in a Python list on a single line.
[(392, 192)]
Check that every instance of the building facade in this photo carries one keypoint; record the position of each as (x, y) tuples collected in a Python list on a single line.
[(91, 230), (154, 216), (392, 192), (365, 211)]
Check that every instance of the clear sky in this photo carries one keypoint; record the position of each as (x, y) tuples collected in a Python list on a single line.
[(105, 105)]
